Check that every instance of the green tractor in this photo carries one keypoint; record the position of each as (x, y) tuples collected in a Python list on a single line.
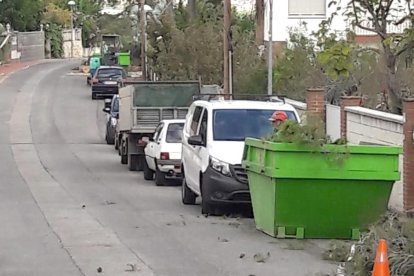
[(111, 51)]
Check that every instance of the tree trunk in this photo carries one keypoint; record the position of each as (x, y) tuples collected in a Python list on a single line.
[(259, 22), (394, 93), (191, 6), (170, 6)]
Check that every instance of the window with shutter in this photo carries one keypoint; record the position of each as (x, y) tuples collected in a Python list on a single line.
[(307, 8)]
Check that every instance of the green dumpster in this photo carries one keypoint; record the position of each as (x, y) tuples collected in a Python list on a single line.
[(124, 59), (299, 193)]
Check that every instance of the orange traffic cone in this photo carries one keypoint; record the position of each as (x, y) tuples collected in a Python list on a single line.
[(381, 266)]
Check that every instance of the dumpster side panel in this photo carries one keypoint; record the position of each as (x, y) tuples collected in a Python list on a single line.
[(329, 209), (263, 200)]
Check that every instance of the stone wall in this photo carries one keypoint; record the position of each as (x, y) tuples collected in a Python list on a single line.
[(77, 43), (31, 45)]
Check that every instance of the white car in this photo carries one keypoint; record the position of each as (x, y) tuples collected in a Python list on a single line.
[(213, 145), (163, 152)]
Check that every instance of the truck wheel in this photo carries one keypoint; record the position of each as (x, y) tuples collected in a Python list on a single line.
[(123, 148), (132, 162), (159, 177), (148, 173), (119, 144), (188, 197)]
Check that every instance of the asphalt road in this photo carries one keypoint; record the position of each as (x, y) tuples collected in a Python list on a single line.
[(68, 207)]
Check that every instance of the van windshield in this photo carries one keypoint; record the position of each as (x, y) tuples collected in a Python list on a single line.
[(237, 124)]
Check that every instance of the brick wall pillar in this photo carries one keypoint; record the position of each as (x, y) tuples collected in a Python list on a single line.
[(408, 167), (315, 100), (347, 101)]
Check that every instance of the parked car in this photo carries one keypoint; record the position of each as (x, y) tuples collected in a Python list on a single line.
[(112, 110), (163, 152), (213, 144), (106, 81)]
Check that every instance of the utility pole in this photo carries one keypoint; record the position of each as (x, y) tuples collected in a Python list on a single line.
[(143, 42), (270, 52), (260, 22), (226, 48)]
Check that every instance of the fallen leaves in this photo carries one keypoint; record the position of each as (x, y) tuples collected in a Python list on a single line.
[(261, 258), (223, 239)]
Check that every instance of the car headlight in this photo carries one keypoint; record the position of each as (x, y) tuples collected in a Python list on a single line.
[(220, 166), (113, 121)]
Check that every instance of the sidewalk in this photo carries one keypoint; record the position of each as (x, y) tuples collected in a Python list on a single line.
[(9, 68)]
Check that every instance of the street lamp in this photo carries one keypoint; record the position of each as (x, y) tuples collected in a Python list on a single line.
[(71, 4)]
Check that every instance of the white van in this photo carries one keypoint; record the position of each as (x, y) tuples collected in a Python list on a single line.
[(213, 144)]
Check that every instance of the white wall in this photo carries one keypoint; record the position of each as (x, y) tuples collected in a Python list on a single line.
[(77, 43), (300, 107), (370, 126), (333, 121), (366, 125), (281, 20)]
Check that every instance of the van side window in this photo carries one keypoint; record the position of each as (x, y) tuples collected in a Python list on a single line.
[(195, 120), (203, 126)]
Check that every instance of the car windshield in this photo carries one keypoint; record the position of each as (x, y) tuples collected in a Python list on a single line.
[(109, 72), (237, 124), (174, 132)]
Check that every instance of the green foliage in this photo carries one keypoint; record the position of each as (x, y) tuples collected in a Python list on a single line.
[(87, 17), (297, 69), (181, 16), (22, 15), (181, 49), (245, 23), (54, 34), (312, 135), (336, 53), (56, 15), (337, 60)]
